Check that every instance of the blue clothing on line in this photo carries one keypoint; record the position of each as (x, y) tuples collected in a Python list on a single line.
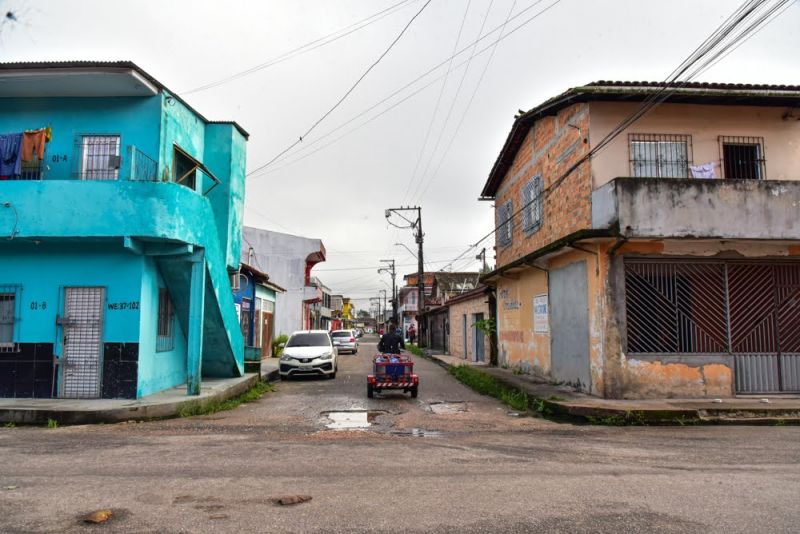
[(10, 154)]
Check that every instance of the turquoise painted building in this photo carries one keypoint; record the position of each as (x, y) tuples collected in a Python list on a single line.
[(117, 246)]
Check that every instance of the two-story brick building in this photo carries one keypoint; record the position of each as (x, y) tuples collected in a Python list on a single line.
[(119, 230), (668, 263)]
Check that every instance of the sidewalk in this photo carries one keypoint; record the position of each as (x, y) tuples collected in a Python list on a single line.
[(159, 405), (556, 400)]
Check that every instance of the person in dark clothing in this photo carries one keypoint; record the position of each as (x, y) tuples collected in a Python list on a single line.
[(390, 342)]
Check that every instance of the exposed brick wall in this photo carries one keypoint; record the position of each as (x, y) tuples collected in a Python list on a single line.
[(549, 149)]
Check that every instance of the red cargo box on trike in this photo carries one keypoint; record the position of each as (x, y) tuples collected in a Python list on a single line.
[(392, 371)]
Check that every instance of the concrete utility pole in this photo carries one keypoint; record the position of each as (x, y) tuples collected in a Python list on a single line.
[(384, 305), (377, 301), (416, 226), (391, 270), (482, 256)]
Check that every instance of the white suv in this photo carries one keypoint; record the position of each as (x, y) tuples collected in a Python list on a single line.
[(309, 352)]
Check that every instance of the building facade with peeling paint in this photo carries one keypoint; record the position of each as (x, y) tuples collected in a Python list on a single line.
[(120, 231), (662, 261)]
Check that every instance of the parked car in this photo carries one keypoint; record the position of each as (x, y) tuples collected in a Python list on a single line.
[(345, 340), (309, 352)]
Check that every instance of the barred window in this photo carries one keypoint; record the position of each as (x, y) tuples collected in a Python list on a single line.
[(532, 204), (660, 155), (742, 157), (9, 314), (100, 159), (165, 339), (505, 223)]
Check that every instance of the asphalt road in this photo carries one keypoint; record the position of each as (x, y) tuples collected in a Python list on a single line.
[(448, 461)]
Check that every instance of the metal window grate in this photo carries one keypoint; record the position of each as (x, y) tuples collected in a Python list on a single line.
[(83, 314), (533, 208), (10, 301), (506, 226), (750, 310), (165, 336), (742, 158), (97, 157), (660, 155)]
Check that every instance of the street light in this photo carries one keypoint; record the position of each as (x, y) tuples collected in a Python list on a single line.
[(408, 249)]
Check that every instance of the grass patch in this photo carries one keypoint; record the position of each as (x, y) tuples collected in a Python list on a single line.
[(52, 423), (415, 350), (486, 384), (10, 424), (204, 408)]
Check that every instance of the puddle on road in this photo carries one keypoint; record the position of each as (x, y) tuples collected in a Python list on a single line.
[(447, 408), (419, 433), (351, 420)]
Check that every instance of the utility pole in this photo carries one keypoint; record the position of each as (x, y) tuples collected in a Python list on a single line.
[(391, 270), (384, 305), (378, 308), (482, 256), (416, 226)]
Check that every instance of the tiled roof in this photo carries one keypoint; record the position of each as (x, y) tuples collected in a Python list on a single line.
[(620, 91)]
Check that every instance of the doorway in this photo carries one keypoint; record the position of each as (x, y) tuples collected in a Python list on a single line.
[(479, 338), (83, 329)]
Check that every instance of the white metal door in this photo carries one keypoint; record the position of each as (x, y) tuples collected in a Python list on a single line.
[(83, 328)]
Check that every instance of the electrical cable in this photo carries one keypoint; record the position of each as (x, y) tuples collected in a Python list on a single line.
[(438, 100), (302, 49), (433, 69), (468, 106), (732, 22), (352, 88), (453, 102)]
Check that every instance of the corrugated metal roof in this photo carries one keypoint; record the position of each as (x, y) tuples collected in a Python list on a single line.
[(635, 91), (120, 64)]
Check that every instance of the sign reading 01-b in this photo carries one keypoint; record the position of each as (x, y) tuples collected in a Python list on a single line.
[(540, 313)]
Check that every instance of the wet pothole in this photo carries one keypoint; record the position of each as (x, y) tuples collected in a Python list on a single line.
[(353, 419), (418, 433), (447, 408)]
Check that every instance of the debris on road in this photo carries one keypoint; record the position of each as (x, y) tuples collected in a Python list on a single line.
[(98, 516), (291, 499)]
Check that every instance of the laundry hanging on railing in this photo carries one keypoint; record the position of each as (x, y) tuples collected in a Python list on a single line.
[(10, 154), (33, 142), (705, 170)]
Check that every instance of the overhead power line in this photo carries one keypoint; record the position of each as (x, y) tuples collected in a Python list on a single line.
[(305, 48), (433, 69), (710, 51), (439, 98), (347, 93)]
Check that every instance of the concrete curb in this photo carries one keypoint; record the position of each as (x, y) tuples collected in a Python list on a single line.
[(144, 412), (613, 416)]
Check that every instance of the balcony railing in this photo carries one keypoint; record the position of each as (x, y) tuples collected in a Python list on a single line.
[(142, 168)]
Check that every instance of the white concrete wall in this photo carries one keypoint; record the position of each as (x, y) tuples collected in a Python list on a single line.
[(283, 258)]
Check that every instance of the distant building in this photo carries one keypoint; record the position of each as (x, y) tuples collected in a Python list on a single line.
[(255, 299), (119, 230), (289, 260)]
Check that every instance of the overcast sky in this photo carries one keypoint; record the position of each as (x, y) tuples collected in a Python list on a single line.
[(338, 192)]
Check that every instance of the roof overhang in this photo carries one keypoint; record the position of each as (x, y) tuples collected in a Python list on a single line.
[(528, 260), (75, 82), (685, 93)]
